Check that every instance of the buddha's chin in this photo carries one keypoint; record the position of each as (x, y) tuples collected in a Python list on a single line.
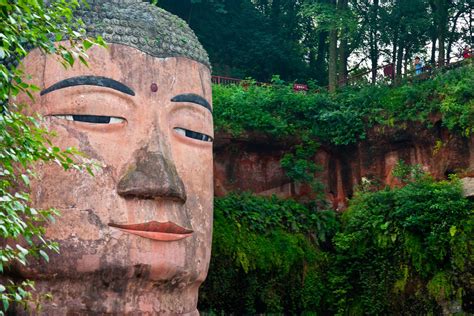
[(159, 275), (105, 295)]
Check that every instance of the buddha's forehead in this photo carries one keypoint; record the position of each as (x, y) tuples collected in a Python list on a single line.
[(143, 26), (129, 66)]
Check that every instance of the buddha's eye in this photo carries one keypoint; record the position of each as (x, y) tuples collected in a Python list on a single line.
[(95, 119), (193, 134)]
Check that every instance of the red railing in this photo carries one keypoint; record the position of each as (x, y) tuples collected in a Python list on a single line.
[(228, 81), (225, 80)]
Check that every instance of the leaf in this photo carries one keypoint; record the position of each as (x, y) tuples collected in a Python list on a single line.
[(100, 41), (6, 304), (34, 87), (44, 255), (25, 178), (87, 44), (22, 250), (452, 230), (67, 56), (83, 61), (22, 292)]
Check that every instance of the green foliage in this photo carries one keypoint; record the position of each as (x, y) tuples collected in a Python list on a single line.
[(268, 40), (265, 256), (300, 166), (258, 38), (403, 246), (407, 173), (401, 251), (262, 214), (278, 112), (345, 117), (26, 24)]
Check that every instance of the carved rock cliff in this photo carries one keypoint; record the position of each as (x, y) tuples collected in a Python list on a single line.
[(252, 163)]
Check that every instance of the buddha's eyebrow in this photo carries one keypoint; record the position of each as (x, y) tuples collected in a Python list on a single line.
[(89, 81), (193, 98)]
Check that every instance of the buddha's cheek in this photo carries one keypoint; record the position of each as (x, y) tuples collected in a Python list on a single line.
[(86, 203)]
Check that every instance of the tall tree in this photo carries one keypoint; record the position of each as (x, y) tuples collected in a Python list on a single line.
[(344, 33), (368, 12), (320, 39), (245, 39), (440, 17), (406, 31), (334, 17), (332, 63)]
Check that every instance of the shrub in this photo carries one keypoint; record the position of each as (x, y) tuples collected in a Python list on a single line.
[(345, 117), (265, 257), (397, 251), (403, 247)]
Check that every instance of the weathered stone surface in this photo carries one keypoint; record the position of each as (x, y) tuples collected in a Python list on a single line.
[(252, 164), (161, 179), (151, 173), (468, 186)]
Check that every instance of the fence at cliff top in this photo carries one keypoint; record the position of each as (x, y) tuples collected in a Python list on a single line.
[(221, 80), (384, 73), (228, 80)]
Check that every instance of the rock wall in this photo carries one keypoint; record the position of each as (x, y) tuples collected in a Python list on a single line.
[(251, 163)]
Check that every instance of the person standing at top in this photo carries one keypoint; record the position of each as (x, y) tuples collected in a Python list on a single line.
[(418, 65), (466, 52)]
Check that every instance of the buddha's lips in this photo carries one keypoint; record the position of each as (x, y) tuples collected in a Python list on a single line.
[(167, 231)]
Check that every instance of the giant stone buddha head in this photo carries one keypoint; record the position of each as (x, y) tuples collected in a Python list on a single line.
[(136, 237)]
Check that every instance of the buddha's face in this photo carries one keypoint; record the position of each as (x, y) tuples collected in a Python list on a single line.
[(146, 217)]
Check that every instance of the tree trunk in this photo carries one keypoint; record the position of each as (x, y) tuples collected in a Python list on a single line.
[(374, 51), (405, 61), (320, 70), (433, 50), (343, 75), (451, 37), (395, 50), (441, 55), (343, 47), (399, 63), (433, 32), (332, 65), (441, 16)]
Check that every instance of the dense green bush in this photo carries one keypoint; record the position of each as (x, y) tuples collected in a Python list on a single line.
[(345, 117), (265, 256), (399, 251), (405, 250)]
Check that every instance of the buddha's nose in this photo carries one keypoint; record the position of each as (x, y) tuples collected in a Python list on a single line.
[(152, 176)]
